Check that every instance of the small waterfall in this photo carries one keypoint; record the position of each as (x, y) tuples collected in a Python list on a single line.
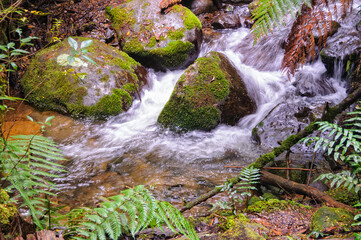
[(131, 140)]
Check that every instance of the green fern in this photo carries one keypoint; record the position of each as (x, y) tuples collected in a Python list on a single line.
[(127, 213), (272, 13), (249, 178), (344, 145), (27, 162)]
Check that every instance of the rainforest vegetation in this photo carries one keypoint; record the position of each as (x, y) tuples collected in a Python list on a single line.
[(31, 34)]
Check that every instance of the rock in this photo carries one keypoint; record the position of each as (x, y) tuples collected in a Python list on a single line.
[(226, 20), (161, 40), (327, 219), (82, 89), (202, 6), (240, 227), (310, 84), (209, 92), (343, 50)]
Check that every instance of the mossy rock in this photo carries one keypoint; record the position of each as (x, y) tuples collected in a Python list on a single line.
[(208, 93), (162, 41), (239, 227), (326, 218), (7, 209), (82, 89)]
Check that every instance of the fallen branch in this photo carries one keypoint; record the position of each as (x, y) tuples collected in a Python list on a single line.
[(268, 178), (260, 162)]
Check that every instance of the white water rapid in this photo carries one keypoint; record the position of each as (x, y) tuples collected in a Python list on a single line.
[(132, 148)]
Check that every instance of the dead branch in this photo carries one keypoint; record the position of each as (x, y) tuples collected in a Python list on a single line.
[(268, 178)]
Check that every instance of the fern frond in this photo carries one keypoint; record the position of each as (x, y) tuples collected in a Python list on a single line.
[(26, 162), (346, 178), (272, 13), (128, 213)]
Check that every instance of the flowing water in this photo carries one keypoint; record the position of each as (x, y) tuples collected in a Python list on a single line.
[(132, 149)]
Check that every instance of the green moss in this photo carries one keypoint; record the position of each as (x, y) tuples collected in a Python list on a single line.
[(194, 105), (176, 34), (134, 46), (174, 54), (152, 42), (342, 194), (237, 227), (130, 87), (120, 17), (7, 209), (63, 89), (108, 105), (104, 78), (190, 20), (327, 218), (272, 205)]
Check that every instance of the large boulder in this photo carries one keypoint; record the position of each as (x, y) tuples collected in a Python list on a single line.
[(208, 93), (81, 88), (163, 40)]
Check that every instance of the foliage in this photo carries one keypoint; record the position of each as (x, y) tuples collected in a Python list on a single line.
[(82, 50), (344, 145), (127, 213), (10, 52), (242, 190), (312, 18), (26, 163), (358, 223)]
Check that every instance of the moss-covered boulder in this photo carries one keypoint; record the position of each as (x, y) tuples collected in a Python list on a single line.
[(327, 218), (161, 40), (82, 89), (209, 92)]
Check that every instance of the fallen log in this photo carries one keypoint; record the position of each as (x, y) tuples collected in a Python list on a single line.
[(260, 162), (268, 178)]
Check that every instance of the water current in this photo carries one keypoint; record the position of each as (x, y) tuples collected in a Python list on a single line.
[(132, 149)]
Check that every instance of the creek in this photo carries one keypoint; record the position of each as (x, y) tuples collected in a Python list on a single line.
[(131, 148)]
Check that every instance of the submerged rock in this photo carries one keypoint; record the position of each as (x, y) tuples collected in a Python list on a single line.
[(209, 92), (161, 40), (81, 88)]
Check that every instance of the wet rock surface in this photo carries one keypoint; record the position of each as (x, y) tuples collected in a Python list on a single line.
[(81, 88), (162, 40), (209, 92)]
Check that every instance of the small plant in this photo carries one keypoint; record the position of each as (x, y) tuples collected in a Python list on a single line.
[(241, 191), (82, 51), (127, 213), (10, 52)]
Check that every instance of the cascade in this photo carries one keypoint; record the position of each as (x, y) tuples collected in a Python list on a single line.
[(132, 149)]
